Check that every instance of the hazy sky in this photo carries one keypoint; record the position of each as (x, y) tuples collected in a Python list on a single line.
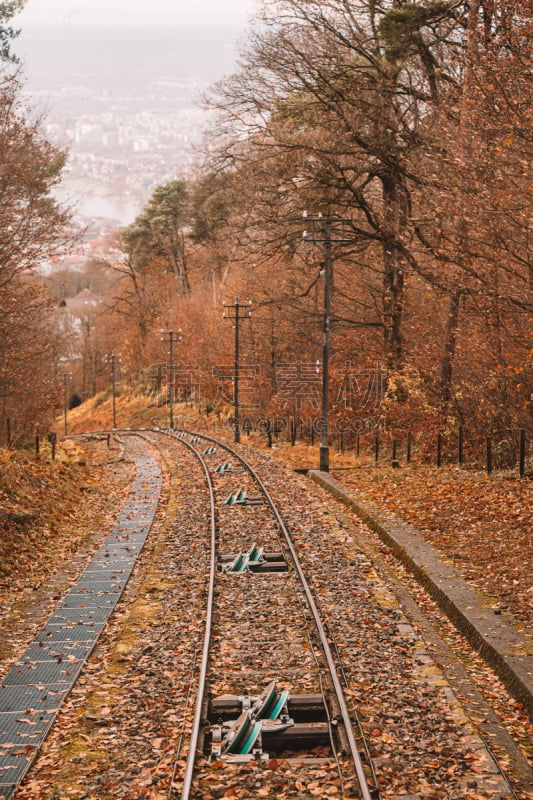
[(137, 12)]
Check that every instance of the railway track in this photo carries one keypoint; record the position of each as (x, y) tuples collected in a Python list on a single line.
[(223, 674), (253, 556)]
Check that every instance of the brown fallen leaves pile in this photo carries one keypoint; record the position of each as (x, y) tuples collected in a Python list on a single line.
[(483, 524)]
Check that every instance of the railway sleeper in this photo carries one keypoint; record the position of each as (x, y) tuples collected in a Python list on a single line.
[(300, 707)]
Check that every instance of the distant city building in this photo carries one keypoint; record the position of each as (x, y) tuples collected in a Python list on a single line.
[(130, 124)]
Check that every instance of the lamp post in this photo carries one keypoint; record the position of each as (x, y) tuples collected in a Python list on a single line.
[(171, 337), (111, 358), (67, 377), (326, 230), (239, 312)]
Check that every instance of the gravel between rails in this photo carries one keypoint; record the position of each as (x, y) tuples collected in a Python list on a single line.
[(119, 734)]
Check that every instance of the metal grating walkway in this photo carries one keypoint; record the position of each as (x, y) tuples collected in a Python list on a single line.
[(34, 688)]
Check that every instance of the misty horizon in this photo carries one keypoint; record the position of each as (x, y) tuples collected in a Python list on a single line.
[(136, 13), (62, 55)]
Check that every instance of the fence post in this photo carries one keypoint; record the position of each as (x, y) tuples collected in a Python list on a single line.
[(8, 431), (293, 431), (439, 449), (394, 463), (357, 445), (341, 441), (376, 448), (460, 446), (52, 437), (522, 453), (37, 444), (409, 442), (489, 456)]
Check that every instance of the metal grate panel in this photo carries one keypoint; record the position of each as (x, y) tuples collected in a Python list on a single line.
[(76, 633), (57, 620), (20, 699), (51, 651), (93, 588), (81, 615), (88, 585), (114, 573), (29, 727), (90, 600), (112, 563), (14, 767), (117, 558), (109, 568), (43, 673)]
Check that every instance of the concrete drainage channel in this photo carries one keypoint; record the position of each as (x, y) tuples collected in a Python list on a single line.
[(35, 687)]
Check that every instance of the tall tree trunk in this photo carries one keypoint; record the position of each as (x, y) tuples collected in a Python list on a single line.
[(449, 347), (396, 204), (179, 268), (465, 153)]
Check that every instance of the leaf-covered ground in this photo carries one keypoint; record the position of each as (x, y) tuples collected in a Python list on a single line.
[(56, 509), (118, 734), (483, 524), (52, 514)]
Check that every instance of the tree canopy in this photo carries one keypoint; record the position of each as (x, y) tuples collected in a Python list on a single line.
[(159, 232), (33, 228), (408, 126), (8, 9)]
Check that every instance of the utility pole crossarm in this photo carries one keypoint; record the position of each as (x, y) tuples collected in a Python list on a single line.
[(327, 229)]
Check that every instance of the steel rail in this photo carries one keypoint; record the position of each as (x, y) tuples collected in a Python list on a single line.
[(202, 679), (354, 750)]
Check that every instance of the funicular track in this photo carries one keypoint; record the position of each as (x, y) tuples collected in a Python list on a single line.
[(264, 718), (239, 488), (227, 673)]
